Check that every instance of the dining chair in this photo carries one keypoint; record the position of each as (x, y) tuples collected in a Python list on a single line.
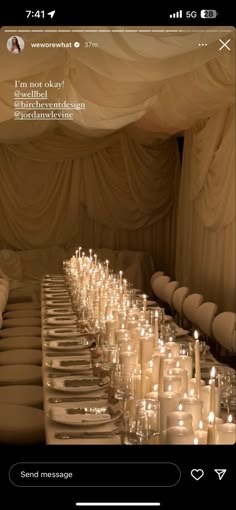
[(190, 307), (20, 314), (159, 285), (20, 331), (27, 395), (21, 357), (21, 424), (204, 317), (168, 292), (22, 306), (20, 342), (224, 330), (20, 374), (178, 298), (156, 275)]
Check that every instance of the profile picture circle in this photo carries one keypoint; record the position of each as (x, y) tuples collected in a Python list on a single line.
[(15, 44)]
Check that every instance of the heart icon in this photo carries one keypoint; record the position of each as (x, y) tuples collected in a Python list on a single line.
[(197, 474)]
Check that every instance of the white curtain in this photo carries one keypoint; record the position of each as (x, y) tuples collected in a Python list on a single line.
[(205, 258)]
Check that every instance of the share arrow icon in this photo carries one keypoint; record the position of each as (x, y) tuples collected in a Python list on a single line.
[(220, 473)]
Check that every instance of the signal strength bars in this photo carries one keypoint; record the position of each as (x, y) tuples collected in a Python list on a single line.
[(178, 14)]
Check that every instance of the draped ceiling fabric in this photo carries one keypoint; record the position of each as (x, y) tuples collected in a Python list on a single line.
[(110, 177)]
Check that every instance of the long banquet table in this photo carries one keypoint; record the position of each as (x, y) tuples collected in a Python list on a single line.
[(54, 426)]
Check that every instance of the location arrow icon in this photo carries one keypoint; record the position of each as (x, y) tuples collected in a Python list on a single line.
[(220, 473)]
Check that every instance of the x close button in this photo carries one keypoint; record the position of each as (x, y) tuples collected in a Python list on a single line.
[(224, 44)]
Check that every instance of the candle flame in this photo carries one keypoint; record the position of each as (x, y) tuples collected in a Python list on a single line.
[(177, 364), (169, 355), (180, 407), (156, 314), (213, 373), (170, 372), (171, 339), (169, 387), (195, 441), (191, 393), (142, 332), (162, 350), (181, 423), (185, 395), (155, 387), (211, 418), (150, 364), (201, 425), (196, 334), (129, 347), (230, 418)]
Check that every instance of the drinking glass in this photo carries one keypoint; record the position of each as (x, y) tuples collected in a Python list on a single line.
[(148, 419), (124, 385)]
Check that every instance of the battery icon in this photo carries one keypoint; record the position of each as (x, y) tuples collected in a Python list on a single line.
[(209, 14)]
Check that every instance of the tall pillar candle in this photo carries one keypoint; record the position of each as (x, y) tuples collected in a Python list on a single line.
[(197, 364), (174, 418), (169, 401), (205, 395), (174, 381), (193, 406), (226, 432), (183, 374), (179, 435), (186, 363)]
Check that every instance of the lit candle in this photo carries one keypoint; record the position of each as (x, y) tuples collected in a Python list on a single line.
[(144, 304), (192, 385), (205, 395), (174, 381), (197, 364), (168, 363), (226, 432), (107, 267), (218, 421), (173, 346), (156, 329), (90, 254), (193, 406), (80, 251), (95, 259), (213, 388), (120, 275), (201, 434), (154, 393), (121, 334), (129, 360), (145, 347), (179, 434), (183, 374), (169, 401), (174, 418), (186, 363), (211, 436)]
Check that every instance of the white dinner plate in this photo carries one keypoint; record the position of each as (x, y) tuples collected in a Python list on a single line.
[(62, 332), (62, 311), (66, 416), (55, 303), (77, 384), (69, 345), (61, 321)]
